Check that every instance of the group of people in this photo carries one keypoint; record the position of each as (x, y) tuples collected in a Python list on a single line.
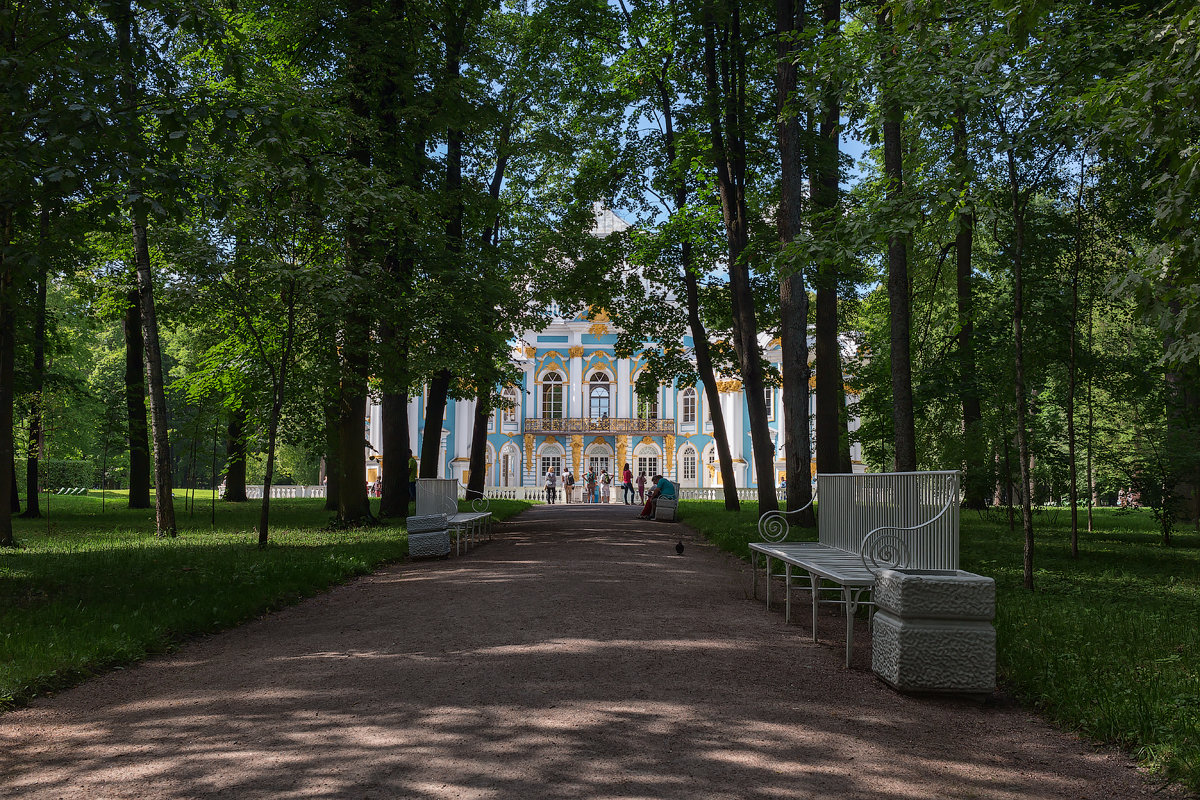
[(598, 488), (595, 488)]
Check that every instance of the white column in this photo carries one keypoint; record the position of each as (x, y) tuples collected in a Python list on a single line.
[(731, 403), (623, 390), (575, 407), (464, 427)]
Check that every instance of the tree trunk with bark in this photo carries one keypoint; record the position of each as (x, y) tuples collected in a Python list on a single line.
[(32, 508), (435, 411), (727, 134), (1018, 212), (395, 438), (1072, 360), (793, 296), (135, 406), (903, 421), (478, 465), (235, 456)]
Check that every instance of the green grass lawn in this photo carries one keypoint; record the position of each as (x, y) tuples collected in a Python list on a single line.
[(1108, 645), (88, 590)]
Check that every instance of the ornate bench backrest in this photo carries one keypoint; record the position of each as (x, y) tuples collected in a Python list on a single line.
[(437, 496), (927, 502)]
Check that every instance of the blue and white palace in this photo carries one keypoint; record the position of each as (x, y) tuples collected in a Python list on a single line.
[(576, 406)]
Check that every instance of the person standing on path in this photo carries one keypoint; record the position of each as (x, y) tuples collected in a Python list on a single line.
[(568, 481), (605, 487), (589, 486), (641, 484), (627, 485), (551, 482)]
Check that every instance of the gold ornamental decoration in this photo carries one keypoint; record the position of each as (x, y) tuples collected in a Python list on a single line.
[(622, 448), (669, 447), (577, 452), (729, 387), (576, 351), (528, 452), (646, 440), (530, 352), (599, 329), (550, 440)]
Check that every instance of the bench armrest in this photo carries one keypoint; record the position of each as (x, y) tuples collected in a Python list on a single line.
[(773, 526), (479, 505), (886, 547)]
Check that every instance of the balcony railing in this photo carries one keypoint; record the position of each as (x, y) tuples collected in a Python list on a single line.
[(600, 426)]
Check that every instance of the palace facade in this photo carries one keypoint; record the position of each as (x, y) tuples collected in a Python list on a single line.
[(577, 406)]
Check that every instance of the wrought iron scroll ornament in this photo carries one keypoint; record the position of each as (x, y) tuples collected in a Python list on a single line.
[(773, 526), (882, 550)]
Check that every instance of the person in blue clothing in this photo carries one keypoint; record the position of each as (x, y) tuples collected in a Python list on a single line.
[(662, 488)]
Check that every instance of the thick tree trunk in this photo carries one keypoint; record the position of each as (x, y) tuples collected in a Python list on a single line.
[(354, 507), (726, 129), (332, 437), (135, 406), (828, 379), (435, 411), (975, 480), (396, 442), (235, 456), (793, 296), (478, 466), (903, 423)]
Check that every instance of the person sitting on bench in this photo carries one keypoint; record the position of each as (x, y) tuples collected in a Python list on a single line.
[(662, 488)]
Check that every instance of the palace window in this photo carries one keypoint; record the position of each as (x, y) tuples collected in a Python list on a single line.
[(688, 407), (647, 406), (509, 413), (552, 396), (598, 396), (769, 399), (687, 463)]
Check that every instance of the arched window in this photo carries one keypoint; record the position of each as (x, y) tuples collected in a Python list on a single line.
[(687, 463), (688, 407), (509, 413), (598, 396), (552, 396)]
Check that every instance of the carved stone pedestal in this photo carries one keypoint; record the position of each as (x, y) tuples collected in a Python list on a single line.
[(932, 631)]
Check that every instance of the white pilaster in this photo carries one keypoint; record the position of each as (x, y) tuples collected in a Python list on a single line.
[(623, 390), (575, 396)]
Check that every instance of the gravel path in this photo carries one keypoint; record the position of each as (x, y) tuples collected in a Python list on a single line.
[(576, 656)]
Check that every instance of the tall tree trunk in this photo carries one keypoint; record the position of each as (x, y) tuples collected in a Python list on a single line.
[(1018, 212), (280, 394), (396, 442), (32, 508), (235, 454), (903, 423), (976, 483), (478, 466), (435, 411), (354, 507), (825, 181), (1072, 359), (793, 296), (7, 373), (1091, 412), (726, 129), (164, 501), (332, 454), (135, 406)]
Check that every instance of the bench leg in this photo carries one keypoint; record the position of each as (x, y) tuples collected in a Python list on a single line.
[(815, 583), (787, 592), (851, 598), (767, 560)]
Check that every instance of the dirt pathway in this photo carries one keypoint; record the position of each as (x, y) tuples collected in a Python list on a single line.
[(574, 657)]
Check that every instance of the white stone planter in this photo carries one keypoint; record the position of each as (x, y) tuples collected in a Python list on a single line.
[(932, 631)]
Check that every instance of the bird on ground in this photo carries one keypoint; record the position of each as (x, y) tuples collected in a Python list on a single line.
[(679, 548)]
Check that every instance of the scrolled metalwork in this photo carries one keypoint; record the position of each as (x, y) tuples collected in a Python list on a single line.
[(480, 505), (773, 526), (882, 550)]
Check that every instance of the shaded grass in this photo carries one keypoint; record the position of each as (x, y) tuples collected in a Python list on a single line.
[(87, 591), (1107, 645)]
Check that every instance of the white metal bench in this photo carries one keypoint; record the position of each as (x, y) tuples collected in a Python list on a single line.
[(866, 523), (440, 496)]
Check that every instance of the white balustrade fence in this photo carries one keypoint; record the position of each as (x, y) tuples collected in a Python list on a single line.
[(256, 492)]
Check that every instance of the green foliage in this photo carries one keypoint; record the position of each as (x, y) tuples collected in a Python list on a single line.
[(1107, 646)]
